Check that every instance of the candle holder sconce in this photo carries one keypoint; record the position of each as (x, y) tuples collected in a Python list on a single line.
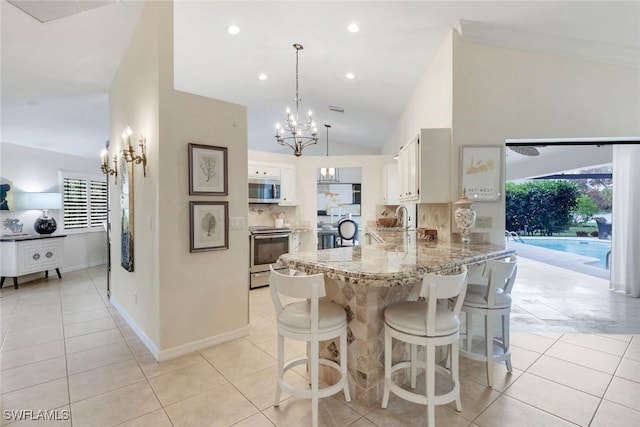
[(129, 153), (106, 169)]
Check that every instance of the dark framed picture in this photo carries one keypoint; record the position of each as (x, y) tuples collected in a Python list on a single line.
[(208, 170), (481, 172), (209, 226)]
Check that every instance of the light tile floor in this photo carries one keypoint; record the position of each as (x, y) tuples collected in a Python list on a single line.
[(65, 348)]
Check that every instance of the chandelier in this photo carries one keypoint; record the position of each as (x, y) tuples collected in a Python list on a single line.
[(328, 174), (300, 136)]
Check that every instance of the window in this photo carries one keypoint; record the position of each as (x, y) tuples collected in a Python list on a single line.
[(84, 202)]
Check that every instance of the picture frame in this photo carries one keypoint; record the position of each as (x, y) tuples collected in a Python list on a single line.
[(208, 170), (208, 226), (481, 172)]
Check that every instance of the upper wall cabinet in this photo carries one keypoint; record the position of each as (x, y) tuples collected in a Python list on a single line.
[(288, 185), (424, 167), (263, 170), (390, 190)]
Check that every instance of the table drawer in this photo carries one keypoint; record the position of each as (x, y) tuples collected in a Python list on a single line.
[(39, 256)]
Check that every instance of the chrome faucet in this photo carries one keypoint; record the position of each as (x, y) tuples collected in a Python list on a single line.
[(404, 218)]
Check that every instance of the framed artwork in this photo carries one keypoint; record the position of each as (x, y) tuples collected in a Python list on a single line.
[(126, 214), (481, 172), (6, 195), (208, 170), (209, 226)]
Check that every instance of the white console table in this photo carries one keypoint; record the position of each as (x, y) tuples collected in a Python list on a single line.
[(22, 255)]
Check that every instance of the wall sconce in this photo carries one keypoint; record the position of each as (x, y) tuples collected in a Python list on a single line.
[(105, 167), (129, 154)]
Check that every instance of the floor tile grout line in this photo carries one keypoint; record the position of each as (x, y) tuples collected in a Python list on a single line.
[(595, 349), (66, 360), (107, 303)]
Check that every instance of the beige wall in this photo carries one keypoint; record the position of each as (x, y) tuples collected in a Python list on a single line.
[(497, 93), (503, 93), (33, 169), (176, 301), (431, 103)]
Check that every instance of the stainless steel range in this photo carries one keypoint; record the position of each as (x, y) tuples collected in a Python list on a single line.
[(266, 245)]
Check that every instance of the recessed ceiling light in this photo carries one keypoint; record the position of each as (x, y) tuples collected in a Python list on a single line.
[(262, 76), (353, 27), (350, 76), (233, 29)]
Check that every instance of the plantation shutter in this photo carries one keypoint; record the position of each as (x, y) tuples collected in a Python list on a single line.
[(84, 202), (98, 203), (75, 203)]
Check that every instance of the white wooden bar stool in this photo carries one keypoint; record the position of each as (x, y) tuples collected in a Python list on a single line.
[(490, 296), (310, 320), (429, 324)]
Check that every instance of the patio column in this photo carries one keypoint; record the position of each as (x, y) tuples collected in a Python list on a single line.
[(625, 242)]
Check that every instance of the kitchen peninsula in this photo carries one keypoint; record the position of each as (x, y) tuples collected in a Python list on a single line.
[(366, 279)]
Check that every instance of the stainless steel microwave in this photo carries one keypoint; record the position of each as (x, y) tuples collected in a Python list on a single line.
[(264, 190)]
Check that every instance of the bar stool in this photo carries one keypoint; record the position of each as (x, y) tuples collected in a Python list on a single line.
[(429, 324), (309, 320), (490, 296)]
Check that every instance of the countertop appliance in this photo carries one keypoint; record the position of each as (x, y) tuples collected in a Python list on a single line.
[(266, 246), (264, 190)]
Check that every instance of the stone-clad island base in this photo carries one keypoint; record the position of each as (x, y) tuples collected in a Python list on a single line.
[(365, 280)]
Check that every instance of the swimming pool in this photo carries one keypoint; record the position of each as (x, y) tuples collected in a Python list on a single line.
[(591, 248)]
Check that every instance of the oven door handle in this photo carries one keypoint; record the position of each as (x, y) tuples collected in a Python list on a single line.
[(270, 236)]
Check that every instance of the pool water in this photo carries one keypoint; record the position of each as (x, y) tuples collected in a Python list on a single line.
[(592, 248)]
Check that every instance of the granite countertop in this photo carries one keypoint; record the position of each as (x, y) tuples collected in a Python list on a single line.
[(300, 229), (401, 260)]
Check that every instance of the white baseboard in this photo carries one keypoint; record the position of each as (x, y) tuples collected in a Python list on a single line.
[(183, 349), (173, 352), (134, 326), (68, 268)]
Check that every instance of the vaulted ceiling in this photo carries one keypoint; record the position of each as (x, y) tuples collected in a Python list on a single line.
[(56, 75)]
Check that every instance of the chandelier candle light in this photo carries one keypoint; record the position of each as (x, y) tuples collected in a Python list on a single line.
[(300, 137)]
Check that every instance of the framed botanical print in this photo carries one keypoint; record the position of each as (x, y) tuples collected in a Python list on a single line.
[(208, 170), (481, 172), (209, 226)]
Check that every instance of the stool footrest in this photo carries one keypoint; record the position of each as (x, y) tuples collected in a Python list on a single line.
[(306, 394), (438, 399)]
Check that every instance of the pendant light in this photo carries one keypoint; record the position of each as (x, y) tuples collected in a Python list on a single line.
[(328, 174), (300, 134)]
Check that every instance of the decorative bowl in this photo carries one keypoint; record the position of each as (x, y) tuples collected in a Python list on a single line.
[(387, 222)]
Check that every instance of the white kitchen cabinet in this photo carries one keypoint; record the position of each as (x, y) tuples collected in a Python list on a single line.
[(288, 186), (263, 170), (25, 255), (424, 167), (390, 191)]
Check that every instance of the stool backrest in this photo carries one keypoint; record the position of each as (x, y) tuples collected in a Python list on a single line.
[(500, 274), (437, 287), (310, 287)]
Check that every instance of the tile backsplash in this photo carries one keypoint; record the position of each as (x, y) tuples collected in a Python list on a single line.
[(436, 216), (265, 214)]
